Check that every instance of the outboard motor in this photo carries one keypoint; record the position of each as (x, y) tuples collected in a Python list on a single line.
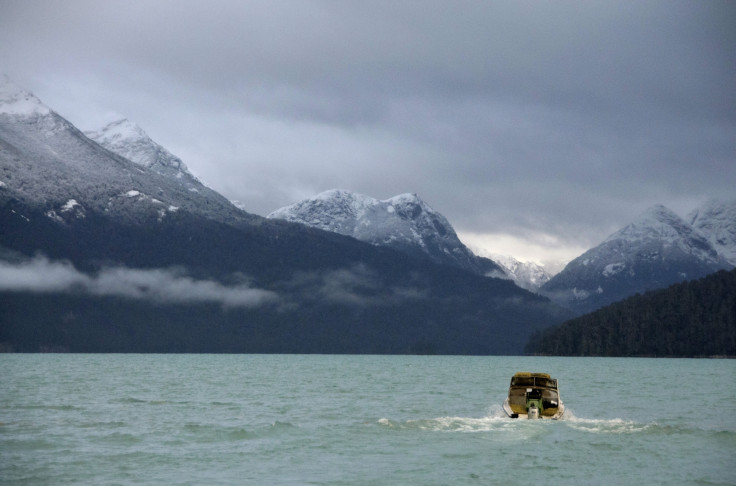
[(533, 412), (533, 402)]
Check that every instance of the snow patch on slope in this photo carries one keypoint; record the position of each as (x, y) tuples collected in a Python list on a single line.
[(613, 268), (69, 205)]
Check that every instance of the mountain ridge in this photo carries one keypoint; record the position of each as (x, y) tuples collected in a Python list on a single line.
[(51, 164), (403, 222), (130, 141)]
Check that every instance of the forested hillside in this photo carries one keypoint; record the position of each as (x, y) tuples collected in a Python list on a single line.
[(695, 318)]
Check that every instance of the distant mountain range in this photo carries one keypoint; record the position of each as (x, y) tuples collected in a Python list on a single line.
[(527, 275), (109, 243), (654, 251), (114, 246)]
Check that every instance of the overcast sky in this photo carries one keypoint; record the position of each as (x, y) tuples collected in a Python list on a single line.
[(537, 128)]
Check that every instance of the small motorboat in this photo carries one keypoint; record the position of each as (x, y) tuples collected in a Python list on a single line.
[(532, 396)]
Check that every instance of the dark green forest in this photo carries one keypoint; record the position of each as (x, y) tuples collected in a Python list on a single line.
[(692, 319), (335, 294)]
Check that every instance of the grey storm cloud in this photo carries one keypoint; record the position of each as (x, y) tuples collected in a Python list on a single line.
[(546, 120), (158, 285)]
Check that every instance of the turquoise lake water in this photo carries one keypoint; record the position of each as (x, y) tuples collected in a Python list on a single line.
[(294, 419)]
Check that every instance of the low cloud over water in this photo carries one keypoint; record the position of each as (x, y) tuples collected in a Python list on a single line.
[(158, 285)]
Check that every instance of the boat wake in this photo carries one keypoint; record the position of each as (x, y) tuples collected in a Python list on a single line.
[(603, 426), (447, 424), (497, 420)]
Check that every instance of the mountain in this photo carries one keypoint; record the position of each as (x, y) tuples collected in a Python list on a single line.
[(716, 220), (404, 223), (656, 250), (694, 318), (527, 275), (128, 140), (102, 254), (48, 163)]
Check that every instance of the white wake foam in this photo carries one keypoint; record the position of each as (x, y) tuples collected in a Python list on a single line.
[(603, 426), (497, 420)]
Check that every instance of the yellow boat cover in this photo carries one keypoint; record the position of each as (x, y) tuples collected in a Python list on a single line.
[(526, 374)]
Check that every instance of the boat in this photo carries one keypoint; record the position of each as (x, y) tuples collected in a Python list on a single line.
[(533, 396)]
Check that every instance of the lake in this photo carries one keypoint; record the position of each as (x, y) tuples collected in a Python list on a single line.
[(306, 419)]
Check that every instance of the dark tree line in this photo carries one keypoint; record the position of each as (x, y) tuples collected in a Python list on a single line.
[(695, 318), (335, 294)]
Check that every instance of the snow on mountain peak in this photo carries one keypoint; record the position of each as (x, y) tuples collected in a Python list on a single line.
[(58, 170), (655, 250), (716, 220), (355, 202), (406, 198), (403, 222), (129, 140), (657, 222), (660, 224), (527, 275), (16, 101), (118, 130), (334, 210)]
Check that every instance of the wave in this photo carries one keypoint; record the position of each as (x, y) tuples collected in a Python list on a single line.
[(205, 433), (118, 439), (61, 408), (141, 401)]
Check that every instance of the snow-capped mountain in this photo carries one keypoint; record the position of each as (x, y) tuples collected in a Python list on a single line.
[(404, 222), (128, 140), (716, 220), (48, 163), (656, 250), (106, 255), (15, 101), (527, 275)]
